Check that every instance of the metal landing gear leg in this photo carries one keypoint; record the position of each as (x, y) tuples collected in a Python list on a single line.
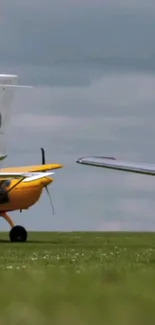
[(17, 233)]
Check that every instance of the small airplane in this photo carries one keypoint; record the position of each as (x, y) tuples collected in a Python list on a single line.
[(20, 187), (113, 163)]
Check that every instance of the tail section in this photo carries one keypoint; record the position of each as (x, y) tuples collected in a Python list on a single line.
[(8, 86)]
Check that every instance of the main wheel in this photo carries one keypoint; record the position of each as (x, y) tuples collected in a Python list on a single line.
[(18, 234)]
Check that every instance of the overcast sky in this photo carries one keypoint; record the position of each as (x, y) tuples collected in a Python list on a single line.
[(82, 109), (38, 32)]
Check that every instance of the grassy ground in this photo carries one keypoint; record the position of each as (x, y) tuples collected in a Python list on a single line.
[(78, 279)]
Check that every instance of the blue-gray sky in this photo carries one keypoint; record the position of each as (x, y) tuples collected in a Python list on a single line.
[(37, 32), (101, 101)]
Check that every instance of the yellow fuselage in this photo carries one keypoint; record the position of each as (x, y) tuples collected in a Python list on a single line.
[(25, 194)]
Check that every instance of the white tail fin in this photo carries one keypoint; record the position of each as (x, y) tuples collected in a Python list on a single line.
[(8, 85)]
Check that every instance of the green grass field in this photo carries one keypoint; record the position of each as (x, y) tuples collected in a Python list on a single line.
[(78, 279)]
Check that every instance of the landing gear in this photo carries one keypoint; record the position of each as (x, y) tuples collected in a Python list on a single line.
[(17, 233)]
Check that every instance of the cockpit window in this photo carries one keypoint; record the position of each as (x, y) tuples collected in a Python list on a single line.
[(5, 183)]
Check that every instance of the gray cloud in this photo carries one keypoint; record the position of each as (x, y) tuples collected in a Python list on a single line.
[(83, 109), (37, 5), (43, 33)]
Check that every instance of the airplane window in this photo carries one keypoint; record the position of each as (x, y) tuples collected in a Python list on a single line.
[(6, 183)]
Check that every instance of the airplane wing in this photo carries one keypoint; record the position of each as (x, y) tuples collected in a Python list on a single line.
[(36, 176), (23, 177), (29, 169), (113, 163), (28, 176)]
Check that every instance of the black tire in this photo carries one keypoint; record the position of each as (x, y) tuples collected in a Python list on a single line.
[(18, 234)]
